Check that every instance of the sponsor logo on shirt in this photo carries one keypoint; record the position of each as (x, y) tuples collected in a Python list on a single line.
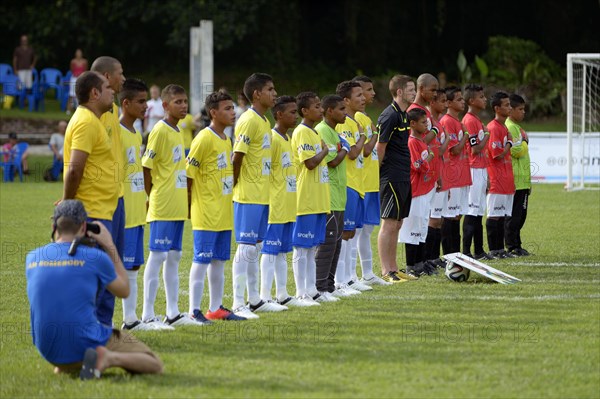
[(286, 160), (308, 234), (248, 234), (499, 208), (150, 154), (177, 153), (305, 147), (163, 241), (208, 254), (221, 160), (266, 141), (131, 154), (276, 243), (243, 138)]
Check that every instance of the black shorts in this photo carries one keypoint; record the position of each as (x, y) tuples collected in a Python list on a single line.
[(395, 198)]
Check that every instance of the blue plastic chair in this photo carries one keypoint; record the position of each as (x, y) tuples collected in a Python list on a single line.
[(11, 86), (36, 96), (5, 70), (15, 162), (66, 87), (51, 78)]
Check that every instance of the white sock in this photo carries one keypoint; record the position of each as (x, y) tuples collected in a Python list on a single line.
[(340, 271), (365, 252), (253, 282), (267, 272), (171, 280), (299, 266), (197, 275), (240, 272), (311, 272), (351, 267), (130, 303), (216, 284), (151, 282), (281, 269)]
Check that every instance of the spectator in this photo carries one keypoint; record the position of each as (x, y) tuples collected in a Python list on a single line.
[(10, 152), (78, 66), (57, 141), (24, 60), (64, 328), (155, 110)]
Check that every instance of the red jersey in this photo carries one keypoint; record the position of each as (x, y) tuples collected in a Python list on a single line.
[(476, 134), (421, 173), (437, 162), (457, 170), (500, 172)]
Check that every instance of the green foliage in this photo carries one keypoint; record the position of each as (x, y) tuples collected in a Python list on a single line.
[(463, 67), (473, 339), (521, 66)]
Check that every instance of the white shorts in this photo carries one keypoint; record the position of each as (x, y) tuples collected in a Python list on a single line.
[(440, 200), (72, 86), (26, 77), (457, 203), (499, 205), (477, 191), (414, 227)]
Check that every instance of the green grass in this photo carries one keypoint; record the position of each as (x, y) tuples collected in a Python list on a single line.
[(428, 338), (52, 111)]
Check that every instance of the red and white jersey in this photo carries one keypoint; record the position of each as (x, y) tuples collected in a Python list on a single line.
[(476, 134), (457, 169), (500, 172), (421, 173)]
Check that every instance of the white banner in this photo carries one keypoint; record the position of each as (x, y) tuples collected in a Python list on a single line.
[(548, 152)]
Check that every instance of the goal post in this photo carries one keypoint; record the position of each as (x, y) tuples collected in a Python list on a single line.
[(583, 116)]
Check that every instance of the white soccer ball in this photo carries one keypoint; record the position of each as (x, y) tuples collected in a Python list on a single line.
[(456, 273)]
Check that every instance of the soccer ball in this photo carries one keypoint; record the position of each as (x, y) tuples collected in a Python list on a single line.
[(456, 273)]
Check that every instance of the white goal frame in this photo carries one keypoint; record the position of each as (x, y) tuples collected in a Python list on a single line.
[(586, 116)]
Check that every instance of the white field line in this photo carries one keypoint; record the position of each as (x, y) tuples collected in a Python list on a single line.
[(537, 298), (553, 264)]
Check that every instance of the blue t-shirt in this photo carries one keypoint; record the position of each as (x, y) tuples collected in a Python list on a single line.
[(62, 293)]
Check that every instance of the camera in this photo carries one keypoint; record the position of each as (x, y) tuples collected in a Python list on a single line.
[(91, 227)]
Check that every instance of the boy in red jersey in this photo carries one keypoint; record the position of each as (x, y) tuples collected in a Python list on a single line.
[(414, 228), (478, 138), (439, 146), (500, 172), (457, 171)]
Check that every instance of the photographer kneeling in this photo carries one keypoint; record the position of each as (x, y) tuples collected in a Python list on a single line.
[(63, 280)]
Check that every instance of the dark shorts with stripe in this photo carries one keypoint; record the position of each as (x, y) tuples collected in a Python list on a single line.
[(395, 198)]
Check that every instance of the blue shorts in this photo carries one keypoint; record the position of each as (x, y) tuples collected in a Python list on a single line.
[(353, 215), (166, 235), (133, 252), (250, 222), (118, 227), (309, 230), (372, 208), (278, 239), (209, 245)]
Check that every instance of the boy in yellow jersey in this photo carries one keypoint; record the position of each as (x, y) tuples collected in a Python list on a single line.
[(113, 71), (282, 206), (313, 198), (133, 103), (210, 182), (251, 171), (188, 127), (371, 187), (328, 253), (166, 185), (351, 131), (89, 173)]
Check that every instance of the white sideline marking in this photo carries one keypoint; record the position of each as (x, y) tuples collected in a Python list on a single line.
[(539, 298), (554, 264)]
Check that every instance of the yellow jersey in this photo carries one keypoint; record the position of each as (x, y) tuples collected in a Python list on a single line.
[(312, 194), (209, 165), (99, 186), (370, 163), (282, 187), (186, 125), (253, 138), (349, 130), (111, 122), (164, 155), (134, 194)]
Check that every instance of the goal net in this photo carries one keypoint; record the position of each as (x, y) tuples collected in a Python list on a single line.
[(583, 120)]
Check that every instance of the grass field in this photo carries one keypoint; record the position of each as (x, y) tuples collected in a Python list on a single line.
[(428, 338)]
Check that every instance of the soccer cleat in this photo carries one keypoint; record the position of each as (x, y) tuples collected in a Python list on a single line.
[(182, 319), (359, 286), (519, 252), (308, 301), (199, 318), (374, 280), (223, 314), (267, 306), (416, 270), (508, 254), (440, 264), (430, 268), (485, 256), (139, 325), (291, 301), (244, 312), (340, 293), (347, 289), (393, 278), (157, 324), (405, 276), (326, 296)]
